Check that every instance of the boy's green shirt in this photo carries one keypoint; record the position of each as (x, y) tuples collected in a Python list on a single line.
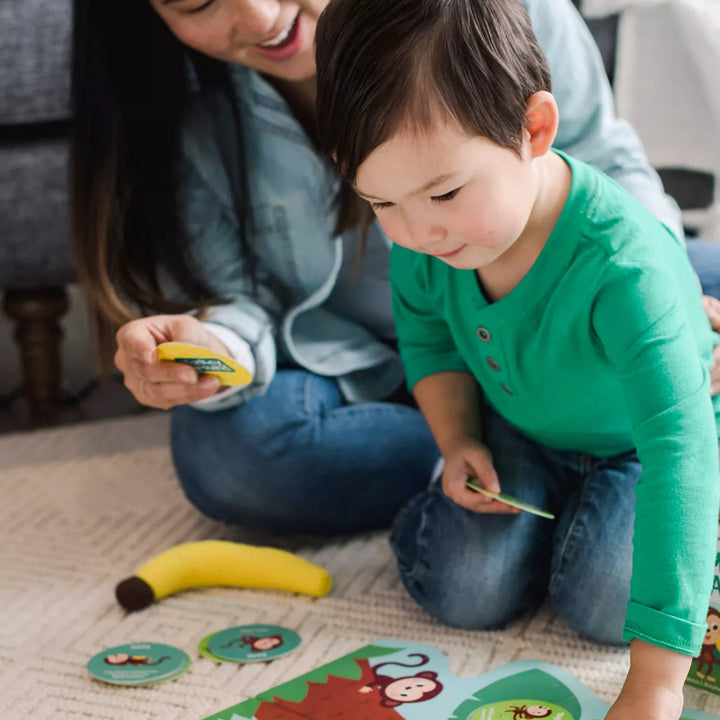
[(602, 347)]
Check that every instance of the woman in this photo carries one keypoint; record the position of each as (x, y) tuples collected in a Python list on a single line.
[(197, 184)]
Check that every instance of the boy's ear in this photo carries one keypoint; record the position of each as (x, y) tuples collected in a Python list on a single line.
[(541, 122)]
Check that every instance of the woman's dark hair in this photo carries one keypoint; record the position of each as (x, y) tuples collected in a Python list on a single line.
[(387, 65), (129, 93)]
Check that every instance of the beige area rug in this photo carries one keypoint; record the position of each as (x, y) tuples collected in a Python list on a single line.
[(83, 507)]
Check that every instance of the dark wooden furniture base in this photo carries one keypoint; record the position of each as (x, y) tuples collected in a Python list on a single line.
[(37, 313)]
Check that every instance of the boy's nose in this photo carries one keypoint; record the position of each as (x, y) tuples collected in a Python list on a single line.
[(428, 236)]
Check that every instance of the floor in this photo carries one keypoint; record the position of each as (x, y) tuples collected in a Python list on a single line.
[(85, 505), (95, 402)]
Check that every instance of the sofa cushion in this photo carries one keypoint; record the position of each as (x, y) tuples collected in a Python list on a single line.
[(35, 60), (34, 227)]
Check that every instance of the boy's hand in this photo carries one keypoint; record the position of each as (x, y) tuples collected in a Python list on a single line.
[(654, 685), (652, 702), (469, 458)]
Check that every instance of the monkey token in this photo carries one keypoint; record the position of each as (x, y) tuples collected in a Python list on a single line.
[(203, 650), (252, 643), (138, 664)]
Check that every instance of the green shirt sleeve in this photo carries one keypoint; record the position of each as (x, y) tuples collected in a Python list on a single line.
[(424, 339), (640, 321)]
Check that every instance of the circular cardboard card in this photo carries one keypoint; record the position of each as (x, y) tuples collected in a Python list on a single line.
[(253, 643), (138, 664), (203, 650)]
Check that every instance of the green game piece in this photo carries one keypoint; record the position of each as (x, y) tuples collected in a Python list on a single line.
[(138, 664), (252, 643), (205, 651), (509, 500)]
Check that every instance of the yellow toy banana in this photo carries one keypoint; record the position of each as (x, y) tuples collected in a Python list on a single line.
[(219, 562)]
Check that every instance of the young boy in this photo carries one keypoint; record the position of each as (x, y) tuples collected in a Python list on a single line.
[(552, 334)]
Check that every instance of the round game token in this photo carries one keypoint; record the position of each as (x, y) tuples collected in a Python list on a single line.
[(252, 643), (138, 664), (203, 650)]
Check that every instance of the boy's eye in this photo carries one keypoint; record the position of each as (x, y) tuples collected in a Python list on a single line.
[(380, 205), (447, 196)]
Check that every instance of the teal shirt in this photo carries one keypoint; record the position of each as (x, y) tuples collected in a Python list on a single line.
[(601, 348)]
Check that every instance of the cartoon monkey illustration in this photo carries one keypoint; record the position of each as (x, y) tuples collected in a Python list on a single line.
[(407, 689), (372, 696), (707, 657), (258, 644), (124, 659), (522, 712)]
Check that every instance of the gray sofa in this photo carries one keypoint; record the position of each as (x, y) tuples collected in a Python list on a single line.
[(35, 258)]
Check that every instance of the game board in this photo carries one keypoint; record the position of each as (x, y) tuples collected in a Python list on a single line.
[(395, 680), (705, 669)]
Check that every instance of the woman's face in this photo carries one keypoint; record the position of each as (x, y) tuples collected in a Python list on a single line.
[(276, 37)]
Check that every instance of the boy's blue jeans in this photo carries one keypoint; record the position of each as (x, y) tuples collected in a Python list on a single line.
[(481, 571), (297, 459)]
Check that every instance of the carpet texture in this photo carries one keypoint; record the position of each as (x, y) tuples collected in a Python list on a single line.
[(84, 506)]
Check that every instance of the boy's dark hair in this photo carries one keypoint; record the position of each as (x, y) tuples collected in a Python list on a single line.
[(387, 65)]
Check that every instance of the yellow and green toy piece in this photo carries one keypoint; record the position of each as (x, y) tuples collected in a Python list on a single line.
[(206, 362), (475, 485)]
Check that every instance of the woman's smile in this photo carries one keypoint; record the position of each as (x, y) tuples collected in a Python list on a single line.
[(284, 44)]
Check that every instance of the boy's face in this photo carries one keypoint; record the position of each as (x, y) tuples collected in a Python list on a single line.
[(462, 199)]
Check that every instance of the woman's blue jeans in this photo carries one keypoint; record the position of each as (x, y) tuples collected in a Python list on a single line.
[(705, 258), (299, 459), (481, 571)]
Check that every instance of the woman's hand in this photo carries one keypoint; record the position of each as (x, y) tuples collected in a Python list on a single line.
[(711, 306), (715, 372), (468, 458), (158, 383), (712, 310)]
